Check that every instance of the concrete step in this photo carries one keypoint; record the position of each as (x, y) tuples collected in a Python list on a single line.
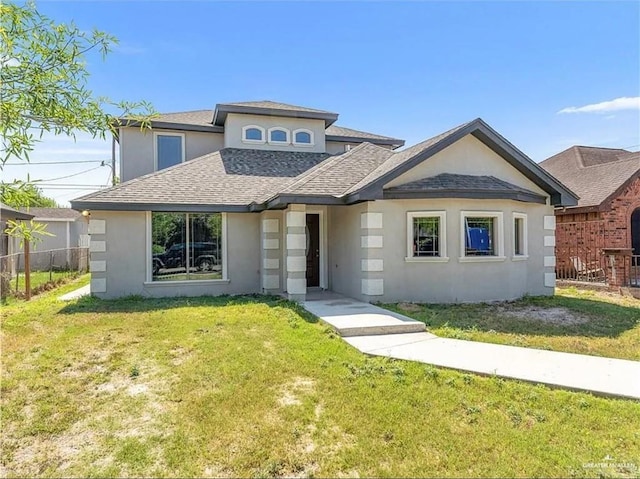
[(350, 317), (397, 328)]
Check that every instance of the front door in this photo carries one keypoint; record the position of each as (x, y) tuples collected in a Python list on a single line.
[(313, 250)]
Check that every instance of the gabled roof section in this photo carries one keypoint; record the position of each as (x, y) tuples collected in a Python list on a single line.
[(62, 214), (340, 133), (8, 213), (227, 180), (371, 187), (597, 175), (447, 185), (271, 108)]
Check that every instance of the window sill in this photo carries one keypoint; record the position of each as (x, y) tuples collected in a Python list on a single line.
[(481, 259), (253, 142), (430, 259), (193, 282), (520, 257), (279, 143), (306, 145)]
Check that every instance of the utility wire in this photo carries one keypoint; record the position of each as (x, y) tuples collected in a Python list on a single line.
[(27, 163), (69, 176)]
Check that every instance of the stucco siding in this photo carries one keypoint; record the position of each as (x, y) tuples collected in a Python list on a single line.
[(468, 156), (137, 152), (234, 123), (455, 280), (344, 238), (126, 257)]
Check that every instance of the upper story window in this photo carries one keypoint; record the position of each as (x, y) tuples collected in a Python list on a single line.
[(278, 135), (169, 149), (303, 137), (253, 134)]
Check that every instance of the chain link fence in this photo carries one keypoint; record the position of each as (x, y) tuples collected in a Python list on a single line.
[(47, 268)]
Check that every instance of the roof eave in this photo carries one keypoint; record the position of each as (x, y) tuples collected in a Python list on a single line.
[(396, 143), (221, 111), (478, 194), (163, 207)]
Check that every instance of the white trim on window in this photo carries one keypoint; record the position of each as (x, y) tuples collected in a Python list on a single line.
[(442, 237), (250, 127), (156, 134), (275, 142), (523, 237), (149, 256), (303, 130), (498, 217)]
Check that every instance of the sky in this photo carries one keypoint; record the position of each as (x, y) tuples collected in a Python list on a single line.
[(546, 75)]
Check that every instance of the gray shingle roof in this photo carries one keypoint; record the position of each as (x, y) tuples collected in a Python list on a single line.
[(229, 177), (593, 173), (274, 105), (203, 119), (452, 185), (53, 213), (240, 179)]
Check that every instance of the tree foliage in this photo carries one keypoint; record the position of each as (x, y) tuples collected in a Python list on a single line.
[(24, 194), (44, 82)]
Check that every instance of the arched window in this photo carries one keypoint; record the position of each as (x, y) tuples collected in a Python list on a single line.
[(253, 134), (278, 135), (303, 137)]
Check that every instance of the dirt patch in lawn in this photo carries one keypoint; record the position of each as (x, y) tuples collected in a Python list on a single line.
[(558, 316)]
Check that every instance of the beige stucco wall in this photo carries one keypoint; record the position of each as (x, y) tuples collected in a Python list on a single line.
[(137, 149), (234, 123), (468, 156), (455, 280), (126, 258), (344, 249)]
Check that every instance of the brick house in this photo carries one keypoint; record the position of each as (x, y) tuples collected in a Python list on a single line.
[(606, 217)]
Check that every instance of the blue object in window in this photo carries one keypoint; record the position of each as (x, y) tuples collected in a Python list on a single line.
[(253, 134), (478, 239)]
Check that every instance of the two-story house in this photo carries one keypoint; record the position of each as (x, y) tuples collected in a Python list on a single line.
[(269, 197)]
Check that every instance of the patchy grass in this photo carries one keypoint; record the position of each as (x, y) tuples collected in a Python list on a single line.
[(254, 387), (41, 281), (574, 321)]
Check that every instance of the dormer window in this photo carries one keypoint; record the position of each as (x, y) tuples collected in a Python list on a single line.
[(278, 135), (303, 137), (253, 134)]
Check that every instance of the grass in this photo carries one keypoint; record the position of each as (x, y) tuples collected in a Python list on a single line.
[(254, 387), (583, 321), (41, 278)]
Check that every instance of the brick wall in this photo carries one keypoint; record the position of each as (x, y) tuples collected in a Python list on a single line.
[(585, 234)]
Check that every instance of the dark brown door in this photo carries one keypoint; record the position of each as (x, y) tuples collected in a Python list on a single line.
[(313, 250)]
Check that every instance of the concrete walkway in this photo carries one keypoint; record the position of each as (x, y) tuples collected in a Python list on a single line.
[(76, 293), (602, 376)]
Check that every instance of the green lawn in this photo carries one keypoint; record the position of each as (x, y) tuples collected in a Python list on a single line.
[(39, 278), (252, 387), (574, 321)]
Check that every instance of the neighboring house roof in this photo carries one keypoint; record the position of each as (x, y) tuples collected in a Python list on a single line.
[(53, 214), (447, 185), (251, 180), (597, 175), (8, 213), (271, 108), (202, 120)]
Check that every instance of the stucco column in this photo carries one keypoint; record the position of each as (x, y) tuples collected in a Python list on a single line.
[(296, 220), (549, 245), (98, 255), (271, 251), (372, 264)]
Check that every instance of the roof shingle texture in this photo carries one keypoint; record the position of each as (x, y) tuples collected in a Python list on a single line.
[(274, 105), (449, 181), (52, 213), (594, 174), (205, 118)]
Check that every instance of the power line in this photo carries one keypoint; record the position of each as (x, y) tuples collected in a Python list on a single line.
[(69, 176), (27, 163)]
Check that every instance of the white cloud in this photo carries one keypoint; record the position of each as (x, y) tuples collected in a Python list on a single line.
[(622, 103)]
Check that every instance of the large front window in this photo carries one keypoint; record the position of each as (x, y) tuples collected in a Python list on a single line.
[(186, 246), (482, 235)]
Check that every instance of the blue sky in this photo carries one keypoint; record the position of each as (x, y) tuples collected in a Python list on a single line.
[(409, 70)]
